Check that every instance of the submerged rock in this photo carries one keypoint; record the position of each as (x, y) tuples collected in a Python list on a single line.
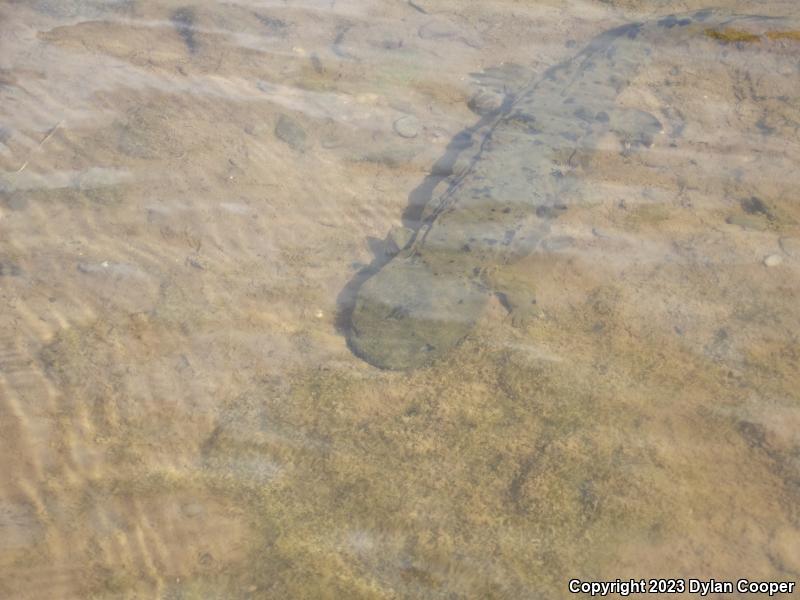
[(407, 126), (485, 102), (747, 222), (289, 131), (773, 260)]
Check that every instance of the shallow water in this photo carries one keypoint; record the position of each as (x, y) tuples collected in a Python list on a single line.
[(192, 194)]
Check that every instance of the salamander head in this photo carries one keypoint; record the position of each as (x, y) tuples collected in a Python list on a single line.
[(406, 316)]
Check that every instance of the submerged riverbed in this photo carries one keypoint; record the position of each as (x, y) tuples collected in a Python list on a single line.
[(191, 195)]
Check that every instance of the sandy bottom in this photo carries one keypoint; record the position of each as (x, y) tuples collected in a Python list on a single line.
[(185, 191)]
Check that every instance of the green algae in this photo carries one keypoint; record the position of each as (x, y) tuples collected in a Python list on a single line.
[(732, 36), (784, 35)]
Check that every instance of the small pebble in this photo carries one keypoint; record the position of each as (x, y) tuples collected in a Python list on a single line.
[(289, 131), (773, 260), (747, 222), (485, 103), (319, 314), (407, 127)]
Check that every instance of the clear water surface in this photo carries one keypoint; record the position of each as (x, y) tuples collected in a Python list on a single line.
[(188, 191)]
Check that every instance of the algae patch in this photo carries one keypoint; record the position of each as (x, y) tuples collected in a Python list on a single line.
[(734, 36), (784, 35), (731, 36)]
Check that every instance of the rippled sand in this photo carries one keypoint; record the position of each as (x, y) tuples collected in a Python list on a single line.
[(186, 191)]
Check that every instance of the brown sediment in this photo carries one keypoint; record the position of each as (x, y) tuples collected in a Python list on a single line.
[(784, 35), (730, 36)]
